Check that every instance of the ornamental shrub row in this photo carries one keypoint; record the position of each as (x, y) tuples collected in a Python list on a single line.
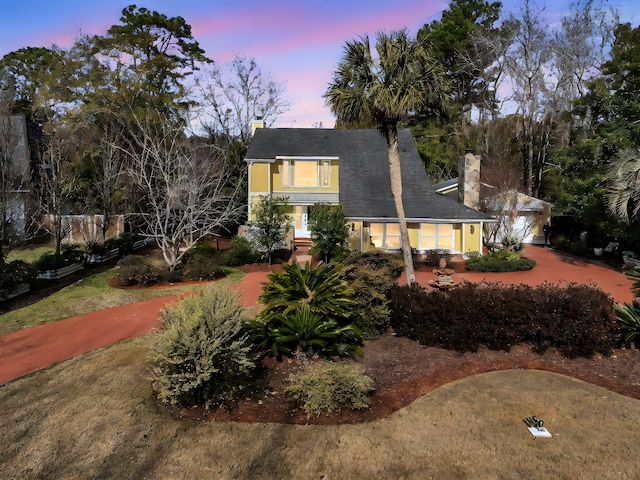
[(578, 320)]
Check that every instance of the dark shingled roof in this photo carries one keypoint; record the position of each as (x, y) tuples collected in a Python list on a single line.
[(365, 187)]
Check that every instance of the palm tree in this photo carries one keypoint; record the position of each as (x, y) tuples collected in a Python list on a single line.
[(624, 190), (382, 90)]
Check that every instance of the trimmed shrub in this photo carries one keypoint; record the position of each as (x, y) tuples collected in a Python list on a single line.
[(432, 258), (202, 357), (371, 275), (577, 320), (138, 270), (124, 243), (50, 261), (499, 261), (325, 388), (240, 252), (203, 248), (72, 254), (203, 267)]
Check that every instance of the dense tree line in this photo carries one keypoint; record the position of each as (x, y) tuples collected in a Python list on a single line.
[(121, 129), (552, 107)]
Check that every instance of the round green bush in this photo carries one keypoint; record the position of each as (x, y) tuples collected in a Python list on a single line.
[(138, 270), (202, 357), (325, 388), (240, 252)]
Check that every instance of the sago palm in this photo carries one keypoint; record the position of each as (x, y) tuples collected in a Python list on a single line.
[(322, 288), (383, 89), (309, 333), (629, 317), (623, 197)]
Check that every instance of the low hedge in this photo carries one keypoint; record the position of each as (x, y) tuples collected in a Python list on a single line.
[(576, 319), (500, 261)]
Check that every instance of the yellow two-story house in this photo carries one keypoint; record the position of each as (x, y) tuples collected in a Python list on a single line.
[(349, 167)]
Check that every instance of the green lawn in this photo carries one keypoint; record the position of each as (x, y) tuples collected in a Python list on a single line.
[(29, 254), (88, 295)]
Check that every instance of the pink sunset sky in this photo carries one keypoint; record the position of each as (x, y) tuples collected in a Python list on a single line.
[(298, 42)]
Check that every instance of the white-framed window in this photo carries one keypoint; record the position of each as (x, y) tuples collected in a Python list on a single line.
[(286, 173), (385, 235), (436, 236), (305, 173), (302, 173), (326, 173)]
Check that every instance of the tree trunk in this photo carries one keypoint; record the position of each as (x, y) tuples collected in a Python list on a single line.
[(395, 174)]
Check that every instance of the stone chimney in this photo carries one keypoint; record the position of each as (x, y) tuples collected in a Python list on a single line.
[(469, 180)]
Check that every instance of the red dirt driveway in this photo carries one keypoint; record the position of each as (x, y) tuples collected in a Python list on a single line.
[(33, 348), (553, 267)]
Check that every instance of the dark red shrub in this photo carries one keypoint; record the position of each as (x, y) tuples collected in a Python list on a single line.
[(576, 319)]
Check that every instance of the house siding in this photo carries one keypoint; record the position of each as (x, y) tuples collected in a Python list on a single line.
[(359, 180), (259, 178)]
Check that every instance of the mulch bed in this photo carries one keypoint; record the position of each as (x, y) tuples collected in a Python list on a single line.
[(403, 371)]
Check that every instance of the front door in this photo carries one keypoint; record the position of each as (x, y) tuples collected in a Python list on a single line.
[(301, 221)]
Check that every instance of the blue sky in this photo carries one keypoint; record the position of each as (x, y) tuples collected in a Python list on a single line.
[(298, 42)]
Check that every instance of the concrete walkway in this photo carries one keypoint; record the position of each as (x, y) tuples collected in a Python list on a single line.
[(33, 348)]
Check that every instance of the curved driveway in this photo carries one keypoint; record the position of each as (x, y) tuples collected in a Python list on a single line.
[(34, 348)]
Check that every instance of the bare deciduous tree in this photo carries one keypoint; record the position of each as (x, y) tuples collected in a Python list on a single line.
[(185, 195), (239, 95)]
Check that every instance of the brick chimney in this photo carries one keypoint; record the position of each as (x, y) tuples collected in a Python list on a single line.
[(469, 180)]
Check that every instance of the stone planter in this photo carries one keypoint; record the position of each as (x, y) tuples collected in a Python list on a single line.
[(61, 272)]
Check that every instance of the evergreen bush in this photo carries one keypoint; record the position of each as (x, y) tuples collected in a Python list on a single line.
[(306, 310), (139, 270), (325, 388), (202, 357), (330, 230), (50, 261), (201, 266), (371, 275), (240, 252), (499, 261), (15, 273)]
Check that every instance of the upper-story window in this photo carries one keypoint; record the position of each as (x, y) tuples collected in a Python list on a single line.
[(306, 173)]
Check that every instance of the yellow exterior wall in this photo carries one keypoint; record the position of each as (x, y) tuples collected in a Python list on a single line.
[(414, 234), (259, 177), (458, 230), (539, 221), (473, 241)]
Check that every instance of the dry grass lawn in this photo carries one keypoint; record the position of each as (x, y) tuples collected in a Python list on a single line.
[(94, 417)]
